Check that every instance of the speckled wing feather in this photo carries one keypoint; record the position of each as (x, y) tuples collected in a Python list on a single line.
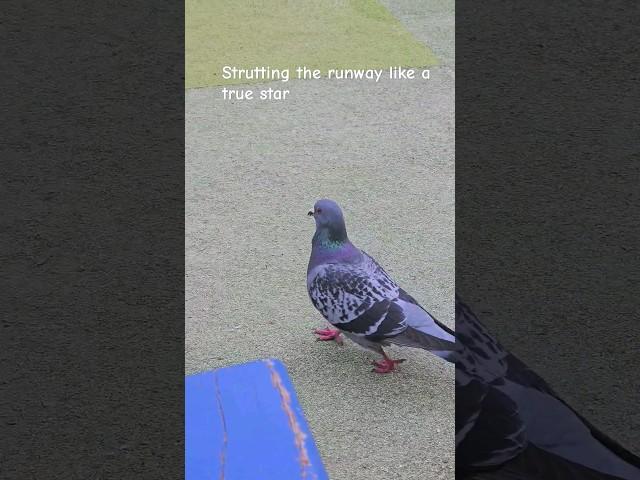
[(489, 429), (357, 298), (481, 356), (362, 300)]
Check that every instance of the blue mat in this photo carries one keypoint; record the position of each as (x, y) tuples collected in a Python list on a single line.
[(245, 423)]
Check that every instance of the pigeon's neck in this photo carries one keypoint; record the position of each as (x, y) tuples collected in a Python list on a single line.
[(331, 247), (332, 237)]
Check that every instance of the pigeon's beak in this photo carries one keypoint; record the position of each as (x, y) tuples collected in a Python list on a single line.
[(310, 213)]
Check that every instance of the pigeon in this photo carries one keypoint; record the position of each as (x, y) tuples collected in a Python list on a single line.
[(510, 424), (355, 295)]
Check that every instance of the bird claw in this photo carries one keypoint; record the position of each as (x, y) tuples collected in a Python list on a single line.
[(387, 365), (328, 334)]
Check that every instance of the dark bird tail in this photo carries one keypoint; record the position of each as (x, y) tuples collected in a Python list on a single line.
[(412, 337), (536, 464)]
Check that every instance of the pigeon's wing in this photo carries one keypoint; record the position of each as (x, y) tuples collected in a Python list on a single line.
[(404, 296), (423, 330), (524, 418), (489, 428), (481, 356), (364, 301), (357, 298)]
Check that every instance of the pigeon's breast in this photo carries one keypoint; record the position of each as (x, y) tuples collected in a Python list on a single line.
[(343, 293), (338, 298)]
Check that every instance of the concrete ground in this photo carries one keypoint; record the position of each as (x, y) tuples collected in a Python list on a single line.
[(253, 169)]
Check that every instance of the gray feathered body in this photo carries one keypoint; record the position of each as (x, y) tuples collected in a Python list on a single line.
[(357, 296)]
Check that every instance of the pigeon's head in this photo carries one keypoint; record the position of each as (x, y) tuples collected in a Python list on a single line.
[(329, 220), (326, 213)]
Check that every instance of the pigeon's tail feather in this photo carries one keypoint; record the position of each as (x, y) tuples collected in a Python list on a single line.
[(412, 337), (523, 375), (423, 330), (613, 446), (536, 464)]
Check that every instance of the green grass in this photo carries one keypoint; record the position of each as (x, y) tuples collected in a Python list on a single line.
[(319, 34)]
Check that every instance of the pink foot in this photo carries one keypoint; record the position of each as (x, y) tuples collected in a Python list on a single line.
[(328, 334), (387, 365)]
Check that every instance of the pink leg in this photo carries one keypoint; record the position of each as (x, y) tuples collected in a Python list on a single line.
[(386, 365), (328, 334)]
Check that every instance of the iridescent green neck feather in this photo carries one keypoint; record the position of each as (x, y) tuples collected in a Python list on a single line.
[(330, 238)]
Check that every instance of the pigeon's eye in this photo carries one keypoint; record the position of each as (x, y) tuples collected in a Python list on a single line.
[(319, 210)]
